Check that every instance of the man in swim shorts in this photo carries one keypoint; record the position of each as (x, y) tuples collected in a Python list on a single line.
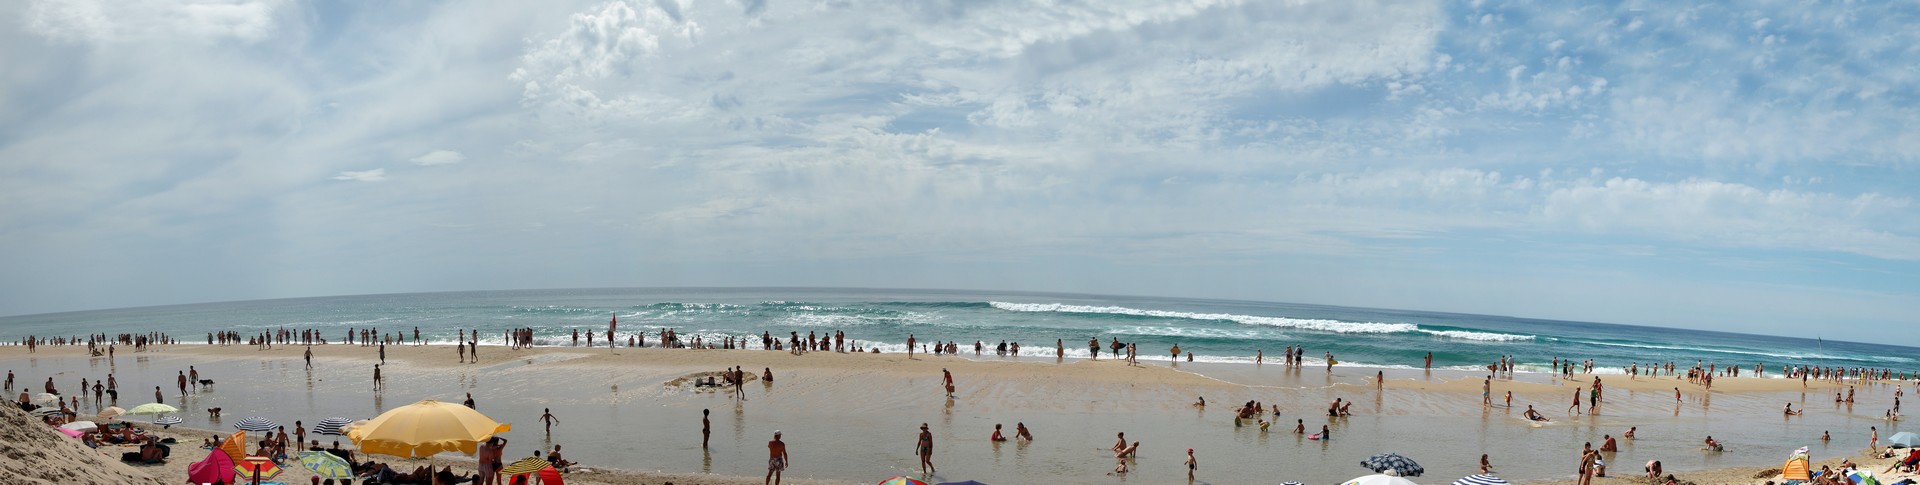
[(776, 459)]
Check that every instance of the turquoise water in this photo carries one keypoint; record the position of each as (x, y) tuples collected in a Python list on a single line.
[(1214, 330)]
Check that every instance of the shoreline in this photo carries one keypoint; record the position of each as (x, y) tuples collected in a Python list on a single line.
[(1014, 386)]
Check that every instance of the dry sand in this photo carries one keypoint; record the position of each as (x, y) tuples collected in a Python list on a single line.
[(1060, 383)]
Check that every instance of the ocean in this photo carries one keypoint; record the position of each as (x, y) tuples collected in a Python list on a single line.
[(856, 422), (1213, 330)]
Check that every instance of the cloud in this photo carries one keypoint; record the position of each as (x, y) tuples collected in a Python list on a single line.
[(138, 20), (1402, 141), (375, 175), (439, 157)]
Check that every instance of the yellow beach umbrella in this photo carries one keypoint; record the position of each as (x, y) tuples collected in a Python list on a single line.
[(425, 428)]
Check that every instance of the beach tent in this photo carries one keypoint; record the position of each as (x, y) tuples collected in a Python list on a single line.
[(235, 446), (901, 481), (218, 467), (426, 428), (1797, 466), (1379, 480), (1904, 439)]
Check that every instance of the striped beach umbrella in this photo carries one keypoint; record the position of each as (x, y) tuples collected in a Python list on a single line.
[(525, 466), (1400, 465), (901, 481), (245, 469), (1480, 480), (167, 420), (111, 412), (331, 425), (256, 424)]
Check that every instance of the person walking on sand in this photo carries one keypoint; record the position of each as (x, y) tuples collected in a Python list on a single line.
[(706, 427), (1486, 391), (925, 448), (309, 357), (1192, 464), (193, 377), (547, 418), (947, 382), (383, 352), (1873, 442), (1575, 408), (776, 459), (182, 380)]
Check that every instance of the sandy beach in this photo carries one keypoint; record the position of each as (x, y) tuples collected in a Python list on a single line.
[(630, 415)]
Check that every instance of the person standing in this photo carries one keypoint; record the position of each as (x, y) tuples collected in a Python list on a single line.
[(546, 417), (383, 352), (376, 377), (1575, 408), (193, 377), (489, 455), (910, 343), (706, 427), (1192, 464), (182, 381), (299, 436), (776, 459), (309, 357), (925, 449), (1429, 365), (1873, 443)]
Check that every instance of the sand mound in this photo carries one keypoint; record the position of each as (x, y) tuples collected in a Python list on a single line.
[(36, 454)]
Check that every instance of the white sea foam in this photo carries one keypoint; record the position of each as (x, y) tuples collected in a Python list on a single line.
[(1323, 325), (1480, 336), (1302, 323)]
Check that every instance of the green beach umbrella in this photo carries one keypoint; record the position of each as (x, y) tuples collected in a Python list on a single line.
[(153, 408), (525, 466), (326, 465)]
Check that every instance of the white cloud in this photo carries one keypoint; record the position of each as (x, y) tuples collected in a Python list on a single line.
[(375, 175), (138, 20), (439, 157)]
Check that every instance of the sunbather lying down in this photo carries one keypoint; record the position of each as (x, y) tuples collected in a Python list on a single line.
[(422, 475)]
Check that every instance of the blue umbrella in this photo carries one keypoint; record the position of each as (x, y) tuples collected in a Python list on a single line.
[(1904, 439), (1480, 480), (1401, 465)]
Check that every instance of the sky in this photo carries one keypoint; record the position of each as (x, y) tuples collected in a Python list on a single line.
[(1736, 166)]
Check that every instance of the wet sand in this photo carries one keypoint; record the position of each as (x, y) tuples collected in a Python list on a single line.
[(853, 417)]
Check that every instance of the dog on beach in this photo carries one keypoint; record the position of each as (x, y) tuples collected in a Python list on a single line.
[(206, 382), (213, 412)]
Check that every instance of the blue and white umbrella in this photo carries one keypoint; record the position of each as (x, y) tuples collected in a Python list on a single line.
[(330, 425), (167, 420), (1904, 439), (1400, 465), (1480, 480), (257, 424)]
